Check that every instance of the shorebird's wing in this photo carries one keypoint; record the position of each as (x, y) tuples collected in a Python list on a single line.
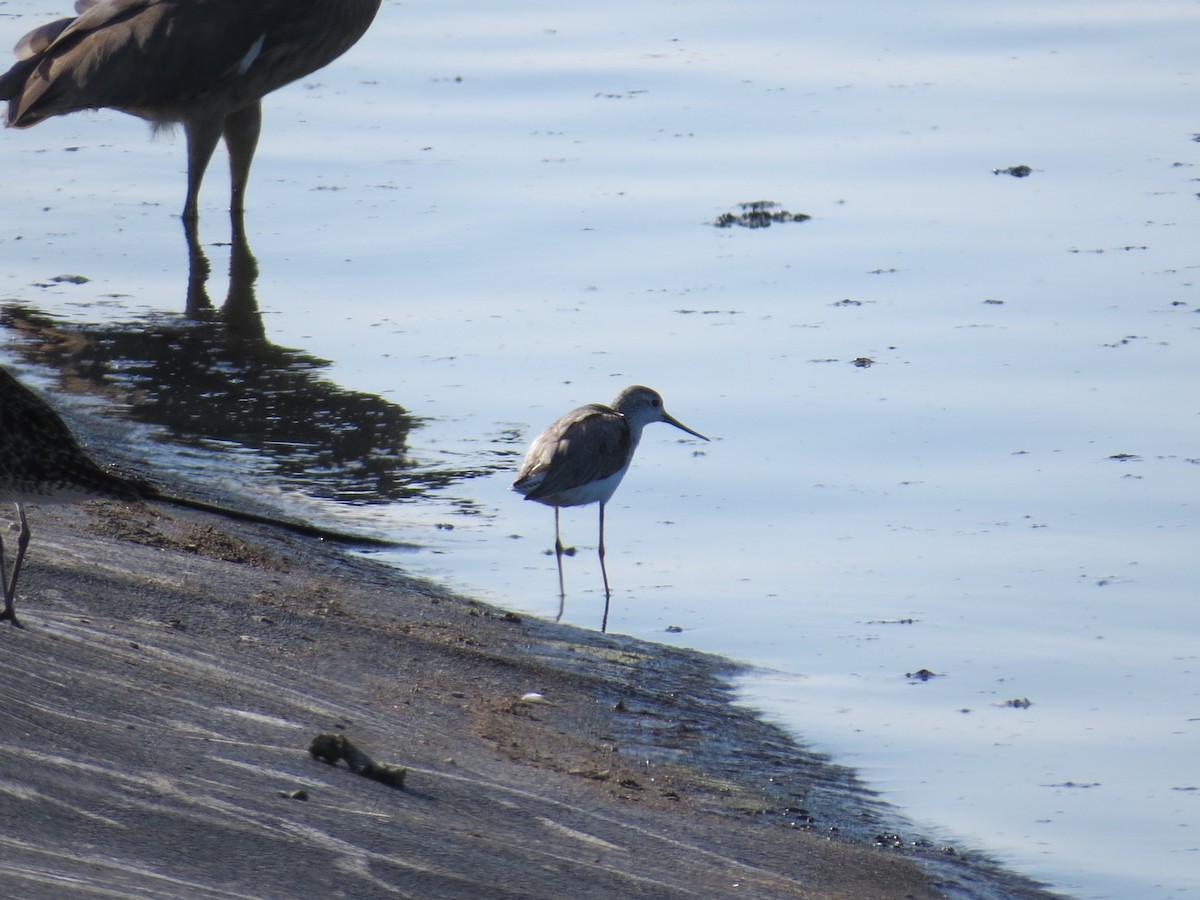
[(588, 444)]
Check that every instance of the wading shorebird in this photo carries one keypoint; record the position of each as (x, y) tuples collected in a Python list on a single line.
[(41, 462), (202, 64), (583, 456)]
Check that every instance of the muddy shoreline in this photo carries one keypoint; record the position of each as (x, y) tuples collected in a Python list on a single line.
[(158, 707)]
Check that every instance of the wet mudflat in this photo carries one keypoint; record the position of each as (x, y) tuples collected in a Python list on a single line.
[(158, 707)]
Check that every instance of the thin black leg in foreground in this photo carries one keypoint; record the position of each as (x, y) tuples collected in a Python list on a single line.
[(10, 585)]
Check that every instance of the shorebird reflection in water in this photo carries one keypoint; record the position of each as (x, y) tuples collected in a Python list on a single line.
[(582, 457), (202, 64)]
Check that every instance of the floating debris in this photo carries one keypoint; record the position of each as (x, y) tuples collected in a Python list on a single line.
[(1127, 248), (759, 214), (863, 362), (619, 95), (1019, 703), (1125, 341), (1014, 171), (921, 675)]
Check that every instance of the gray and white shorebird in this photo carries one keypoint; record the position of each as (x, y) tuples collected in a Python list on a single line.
[(202, 64), (41, 462), (582, 457)]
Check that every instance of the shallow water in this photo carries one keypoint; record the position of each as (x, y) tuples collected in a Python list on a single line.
[(488, 217)]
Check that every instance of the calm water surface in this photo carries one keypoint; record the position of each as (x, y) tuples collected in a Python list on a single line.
[(490, 216)]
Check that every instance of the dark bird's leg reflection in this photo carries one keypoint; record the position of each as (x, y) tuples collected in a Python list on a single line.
[(197, 304), (240, 313)]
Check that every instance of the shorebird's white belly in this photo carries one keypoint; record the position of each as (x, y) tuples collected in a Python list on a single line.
[(600, 491)]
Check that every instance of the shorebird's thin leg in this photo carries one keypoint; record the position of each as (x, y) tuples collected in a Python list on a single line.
[(604, 573), (10, 586), (558, 553)]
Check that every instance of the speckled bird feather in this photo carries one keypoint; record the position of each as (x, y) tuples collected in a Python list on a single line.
[(40, 461)]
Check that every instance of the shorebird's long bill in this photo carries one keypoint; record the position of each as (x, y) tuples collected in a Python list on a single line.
[(671, 420)]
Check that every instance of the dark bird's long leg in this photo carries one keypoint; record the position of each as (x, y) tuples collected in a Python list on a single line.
[(241, 131), (9, 611), (10, 586), (202, 138)]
